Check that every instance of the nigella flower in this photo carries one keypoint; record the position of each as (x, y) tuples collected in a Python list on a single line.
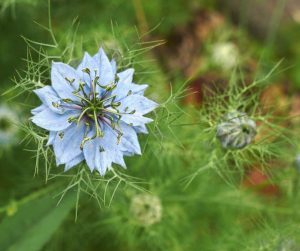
[(93, 113), (236, 130), (146, 209)]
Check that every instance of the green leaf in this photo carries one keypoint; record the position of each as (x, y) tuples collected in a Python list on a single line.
[(32, 226)]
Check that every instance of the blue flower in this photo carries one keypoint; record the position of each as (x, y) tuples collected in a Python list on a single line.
[(93, 113)]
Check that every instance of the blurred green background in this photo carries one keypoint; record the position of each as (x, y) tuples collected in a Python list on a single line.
[(202, 41)]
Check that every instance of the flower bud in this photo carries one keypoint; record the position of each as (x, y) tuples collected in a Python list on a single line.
[(236, 130)]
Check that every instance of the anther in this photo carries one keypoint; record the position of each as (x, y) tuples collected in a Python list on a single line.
[(61, 135), (101, 149), (84, 141), (86, 70), (70, 81), (55, 104)]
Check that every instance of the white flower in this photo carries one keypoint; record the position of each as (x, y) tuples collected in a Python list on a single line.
[(225, 55), (146, 209)]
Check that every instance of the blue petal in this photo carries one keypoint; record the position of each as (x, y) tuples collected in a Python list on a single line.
[(38, 109), (126, 77), (59, 74), (113, 64), (100, 153), (126, 86), (67, 143), (129, 141), (91, 64), (106, 72), (48, 96), (135, 119), (52, 121), (96, 157), (140, 104), (74, 162), (51, 138), (141, 129)]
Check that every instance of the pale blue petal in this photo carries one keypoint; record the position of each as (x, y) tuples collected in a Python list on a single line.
[(138, 89), (117, 158), (114, 66), (103, 161), (89, 150), (126, 90), (129, 141), (126, 77), (91, 64), (140, 104), (74, 162), (38, 109), (125, 85), (60, 72), (67, 143), (52, 121), (141, 129), (110, 144), (51, 138), (49, 97), (135, 119), (100, 153), (106, 72)]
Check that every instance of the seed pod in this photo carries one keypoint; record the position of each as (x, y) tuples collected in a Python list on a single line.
[(297, 162), (146, 209), (288, 245), (236, 130)]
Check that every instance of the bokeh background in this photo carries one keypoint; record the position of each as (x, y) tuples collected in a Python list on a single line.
[(196, 42)]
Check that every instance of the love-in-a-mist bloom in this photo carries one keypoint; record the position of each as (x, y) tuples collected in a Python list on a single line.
[(93, 113)]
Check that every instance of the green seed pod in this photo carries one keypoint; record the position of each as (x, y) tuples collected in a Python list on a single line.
[(288, 245), (297, 163), (236, 130), (146, 209)]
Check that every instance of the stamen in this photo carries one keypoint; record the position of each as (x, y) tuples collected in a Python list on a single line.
[(129, 93), (120, 134), (99, 133), (67, 100), (71, 119), (70, 81), (84, 141), (56, 104), (61, 135), (83, 112), (87, 70)]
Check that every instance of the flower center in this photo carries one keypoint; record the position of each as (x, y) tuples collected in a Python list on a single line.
[(97, 105)]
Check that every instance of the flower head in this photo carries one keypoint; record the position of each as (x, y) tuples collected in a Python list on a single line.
[(297, 162), (225, 55), (288, 245), (236, 130), (93, 113), (8, 128), (146, 209)]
